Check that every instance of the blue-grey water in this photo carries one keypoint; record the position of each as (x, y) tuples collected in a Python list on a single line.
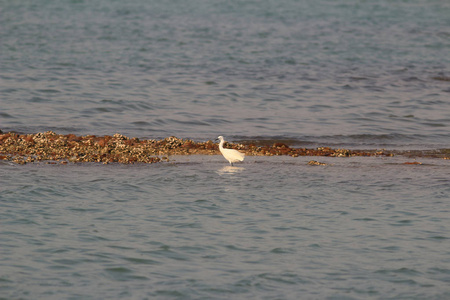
[(195, 228), (356, 74), (353, 72)]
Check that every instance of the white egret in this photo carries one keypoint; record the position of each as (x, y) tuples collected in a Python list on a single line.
[(230, 154)]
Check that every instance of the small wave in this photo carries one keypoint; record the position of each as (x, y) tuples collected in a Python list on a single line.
[(38, 100), (6, 115), (49, 91), (407, 271)]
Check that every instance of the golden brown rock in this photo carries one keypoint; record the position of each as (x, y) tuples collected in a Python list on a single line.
[(316, 163)]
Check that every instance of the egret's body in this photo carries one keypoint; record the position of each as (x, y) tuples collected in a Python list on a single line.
[(230, 154)]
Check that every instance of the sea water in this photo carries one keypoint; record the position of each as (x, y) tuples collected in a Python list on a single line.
[(196, 228), (354, 74)]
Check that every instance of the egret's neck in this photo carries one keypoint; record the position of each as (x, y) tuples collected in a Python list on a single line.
[(221, 144)]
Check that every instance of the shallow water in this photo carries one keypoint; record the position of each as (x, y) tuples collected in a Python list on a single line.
[(196, 228)]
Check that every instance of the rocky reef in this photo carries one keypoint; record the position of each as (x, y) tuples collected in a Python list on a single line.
[(57, 148)]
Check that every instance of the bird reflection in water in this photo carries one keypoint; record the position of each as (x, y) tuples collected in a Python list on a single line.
[(230, 170)]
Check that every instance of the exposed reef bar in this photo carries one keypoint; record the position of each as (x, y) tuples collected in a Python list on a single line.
[(52, 147)]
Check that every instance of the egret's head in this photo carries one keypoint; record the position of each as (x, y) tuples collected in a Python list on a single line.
[(220, 138)]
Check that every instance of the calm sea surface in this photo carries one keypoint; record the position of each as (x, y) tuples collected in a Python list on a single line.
[(195, 228), (353, 72), (356, 74)]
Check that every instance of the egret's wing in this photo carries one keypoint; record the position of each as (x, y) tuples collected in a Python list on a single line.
[(240, 155)]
